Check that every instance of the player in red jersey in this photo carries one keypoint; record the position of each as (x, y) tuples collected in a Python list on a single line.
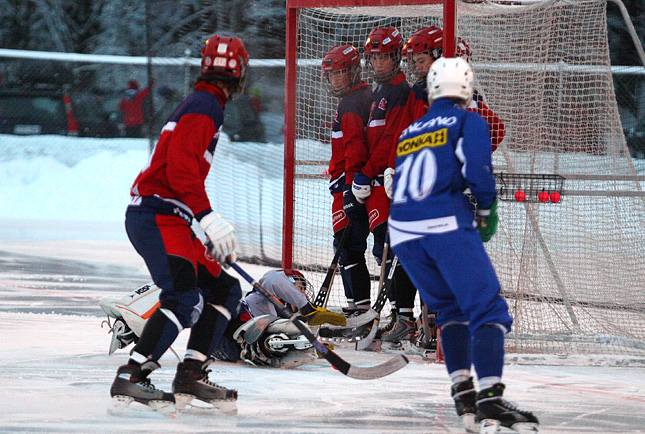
[(341, 73), (388, 117), (165, 198)]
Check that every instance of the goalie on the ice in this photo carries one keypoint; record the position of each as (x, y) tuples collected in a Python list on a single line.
[(257, 335)]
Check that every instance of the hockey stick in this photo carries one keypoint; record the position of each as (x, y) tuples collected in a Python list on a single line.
[(375, 311), (364, 343), (323, 293), (378, 306), (358, 372)]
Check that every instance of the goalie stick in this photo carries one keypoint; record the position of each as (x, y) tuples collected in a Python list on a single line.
[(323, 293), (358, 372)]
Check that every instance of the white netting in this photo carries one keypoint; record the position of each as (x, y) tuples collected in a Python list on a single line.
[(572, 272)]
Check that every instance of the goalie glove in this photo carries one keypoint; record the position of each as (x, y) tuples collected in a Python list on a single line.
[(221, 237), (388, 181), (315, 316), (361, 187), (487, 220)]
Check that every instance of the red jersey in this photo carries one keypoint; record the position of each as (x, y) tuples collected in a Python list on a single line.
[(173, 180), (497, 127), (418, 106), (348, 148), (388, 118)]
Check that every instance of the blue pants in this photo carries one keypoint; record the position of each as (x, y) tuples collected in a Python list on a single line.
[(455, 277)]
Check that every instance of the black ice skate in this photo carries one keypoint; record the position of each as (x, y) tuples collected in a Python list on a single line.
[(493, 411), (465, 397), (132, 384), (192, 388)]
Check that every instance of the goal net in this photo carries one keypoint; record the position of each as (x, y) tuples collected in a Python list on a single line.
[(572, 270)]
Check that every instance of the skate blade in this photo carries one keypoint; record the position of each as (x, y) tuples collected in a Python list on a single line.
[(489, 426), (469, 422), (121, 405), (189, 403), (525, 427)]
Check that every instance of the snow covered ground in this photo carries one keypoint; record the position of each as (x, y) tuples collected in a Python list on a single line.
[(63, 247)]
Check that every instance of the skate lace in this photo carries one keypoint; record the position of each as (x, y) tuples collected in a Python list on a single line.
[(510, 405), (145, 382), (204, 378)]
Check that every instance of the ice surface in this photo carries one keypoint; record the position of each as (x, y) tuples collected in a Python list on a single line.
[(61, 250)]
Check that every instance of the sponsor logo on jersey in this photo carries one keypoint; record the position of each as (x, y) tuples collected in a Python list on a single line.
[(208, 256), (373, 216), (337, 217), (439, 121), (180, 213), (428, 140), (382, 104)]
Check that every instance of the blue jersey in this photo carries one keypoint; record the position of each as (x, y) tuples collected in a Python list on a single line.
[(440, 155)]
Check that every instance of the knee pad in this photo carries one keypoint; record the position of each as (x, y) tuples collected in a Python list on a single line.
[(186, 309), (223, 290)]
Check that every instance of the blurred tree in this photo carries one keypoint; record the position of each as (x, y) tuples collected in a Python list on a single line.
[(621, 45)]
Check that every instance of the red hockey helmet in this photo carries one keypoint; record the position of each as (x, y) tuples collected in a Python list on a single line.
[(298, 279), (341, 60), (383, 43), (226, 59), (425, 40)]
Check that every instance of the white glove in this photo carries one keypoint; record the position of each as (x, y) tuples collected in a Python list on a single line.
[(388, 181), (361, 187), (221, 235)]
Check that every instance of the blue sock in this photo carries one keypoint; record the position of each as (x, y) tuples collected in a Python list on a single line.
[(456, 343), (488, 351)]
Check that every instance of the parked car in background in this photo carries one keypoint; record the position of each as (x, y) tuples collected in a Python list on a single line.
[(36, 111), (94, 118), (46, 110)]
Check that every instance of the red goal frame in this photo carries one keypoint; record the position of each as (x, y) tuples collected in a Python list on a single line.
[(449, 16)]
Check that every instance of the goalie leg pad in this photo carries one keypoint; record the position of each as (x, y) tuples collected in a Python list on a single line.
[(269, 341)]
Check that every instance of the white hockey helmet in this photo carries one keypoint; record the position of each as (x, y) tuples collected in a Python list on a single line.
[(452, 77)]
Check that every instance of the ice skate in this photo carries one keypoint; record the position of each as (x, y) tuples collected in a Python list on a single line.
[(387, 327), (132, 385), (493, 412), (122, 336), (403, 329), (348, 334), (426, 346), (465, 397), (193, 389)]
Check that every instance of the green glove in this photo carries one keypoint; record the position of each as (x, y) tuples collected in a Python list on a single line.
[(487, 222)]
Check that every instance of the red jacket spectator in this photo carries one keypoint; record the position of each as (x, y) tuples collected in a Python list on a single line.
[(132, 108)]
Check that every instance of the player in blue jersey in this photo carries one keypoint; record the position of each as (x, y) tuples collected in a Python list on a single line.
[(435, 235)]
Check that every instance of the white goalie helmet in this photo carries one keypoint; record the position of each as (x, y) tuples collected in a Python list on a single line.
[(452, 77)]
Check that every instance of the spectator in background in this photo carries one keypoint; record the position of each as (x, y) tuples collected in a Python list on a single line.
[(132, 107)]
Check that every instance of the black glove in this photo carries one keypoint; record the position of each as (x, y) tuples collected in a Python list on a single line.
[(350, 204)]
